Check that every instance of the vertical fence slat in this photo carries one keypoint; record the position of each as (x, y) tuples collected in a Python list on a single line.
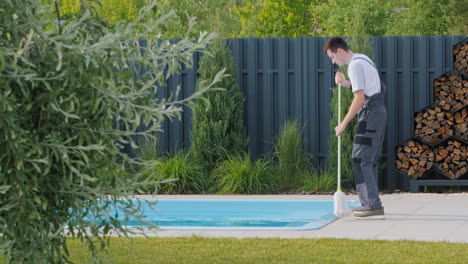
[(283, 92), (309, 101), (326, 82), (393, 126), (268, 99), (421, 66), (188, 88), (252, 88), (298, 85), (175, 126), (406, 93)]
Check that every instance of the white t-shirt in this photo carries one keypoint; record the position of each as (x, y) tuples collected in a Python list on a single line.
[(363, 75)]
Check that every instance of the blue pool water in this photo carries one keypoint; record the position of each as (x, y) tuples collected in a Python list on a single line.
[(241, 214)]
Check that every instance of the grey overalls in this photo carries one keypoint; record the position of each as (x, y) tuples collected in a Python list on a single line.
[(372, 119)]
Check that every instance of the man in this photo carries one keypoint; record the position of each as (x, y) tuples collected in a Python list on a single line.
[(369, 105)]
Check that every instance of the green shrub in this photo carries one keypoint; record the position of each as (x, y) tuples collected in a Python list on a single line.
[(218, 125), (69, 101), (239, 175), (291, 157), (317, 181), (177, 174)]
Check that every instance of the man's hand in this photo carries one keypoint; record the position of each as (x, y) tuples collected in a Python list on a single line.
[(339, 129), (341, 79)]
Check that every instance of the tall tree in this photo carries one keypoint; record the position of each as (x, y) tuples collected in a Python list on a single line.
[(359, 43), (69, 99), (218, 124)]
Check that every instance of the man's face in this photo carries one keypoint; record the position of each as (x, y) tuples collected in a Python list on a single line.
[(337, 57)]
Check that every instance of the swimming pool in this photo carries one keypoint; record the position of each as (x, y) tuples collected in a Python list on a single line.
[(240, 214)]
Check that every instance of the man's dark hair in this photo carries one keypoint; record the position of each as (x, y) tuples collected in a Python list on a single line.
[(335, 43)]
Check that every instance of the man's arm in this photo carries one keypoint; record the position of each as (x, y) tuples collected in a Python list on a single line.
[(356, 105)]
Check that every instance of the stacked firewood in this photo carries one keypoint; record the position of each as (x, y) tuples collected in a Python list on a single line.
[(461, 124), (440, 142), (451, 91), (461, 58), (414, 158), (452, 159), (433, 125)]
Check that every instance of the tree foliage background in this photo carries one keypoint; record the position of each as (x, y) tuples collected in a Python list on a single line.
[(211, 15), (298, 18), (309, 18), (69, 100), (277, 18)]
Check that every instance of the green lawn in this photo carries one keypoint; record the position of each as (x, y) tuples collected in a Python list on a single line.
[(230, 250)]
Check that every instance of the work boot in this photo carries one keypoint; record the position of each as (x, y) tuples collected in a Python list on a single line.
[(359, 209), (375, 214)]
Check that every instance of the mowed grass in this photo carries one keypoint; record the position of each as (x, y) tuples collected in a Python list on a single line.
[(200, 250)]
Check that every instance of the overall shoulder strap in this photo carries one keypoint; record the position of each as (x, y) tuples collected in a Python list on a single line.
[(382, 84), (370, 62)]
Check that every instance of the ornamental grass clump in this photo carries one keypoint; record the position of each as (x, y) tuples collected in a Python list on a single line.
[(178, 174), (238, 174), (318, 181), (291, 159)]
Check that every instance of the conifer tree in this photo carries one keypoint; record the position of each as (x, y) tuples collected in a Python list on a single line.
[(359, 43), (218, 124)]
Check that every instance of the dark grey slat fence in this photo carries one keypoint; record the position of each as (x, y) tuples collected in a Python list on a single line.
[(290, 78)]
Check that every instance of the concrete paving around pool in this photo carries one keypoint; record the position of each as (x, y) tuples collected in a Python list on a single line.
[(421, 217)]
